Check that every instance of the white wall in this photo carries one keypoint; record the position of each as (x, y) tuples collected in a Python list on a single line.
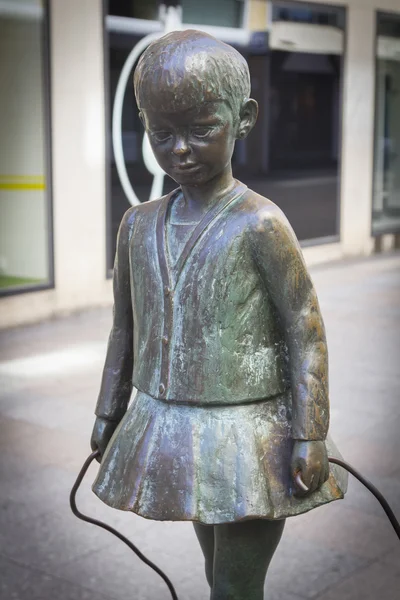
[(78, 152), (305, 37), (358, 131)]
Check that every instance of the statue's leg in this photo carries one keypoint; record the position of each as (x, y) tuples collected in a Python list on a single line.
[(242, 553), (205, 535)]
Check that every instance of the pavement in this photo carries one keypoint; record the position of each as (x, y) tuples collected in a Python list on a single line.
[(50, 376)]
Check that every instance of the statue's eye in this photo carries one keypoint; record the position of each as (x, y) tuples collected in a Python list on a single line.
[(161, 136), (201, 132)]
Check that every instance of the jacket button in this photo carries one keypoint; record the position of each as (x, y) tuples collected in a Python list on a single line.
[(161, 389), (165, 340)]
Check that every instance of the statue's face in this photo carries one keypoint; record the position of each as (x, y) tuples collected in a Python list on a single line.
[(194, 145)]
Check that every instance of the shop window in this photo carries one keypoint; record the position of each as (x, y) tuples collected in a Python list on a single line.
[(25, 225), (224, 13), (119, 47), (386, 191), (293, 154)]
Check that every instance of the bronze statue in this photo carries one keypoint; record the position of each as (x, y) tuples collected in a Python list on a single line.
[(217, 326)]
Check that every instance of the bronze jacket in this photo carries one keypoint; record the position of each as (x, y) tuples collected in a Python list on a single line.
[(237, 321)]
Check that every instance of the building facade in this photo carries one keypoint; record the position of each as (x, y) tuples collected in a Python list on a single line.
[(73, 156)]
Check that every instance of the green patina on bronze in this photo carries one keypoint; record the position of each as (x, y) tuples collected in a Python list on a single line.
[(218, 327)]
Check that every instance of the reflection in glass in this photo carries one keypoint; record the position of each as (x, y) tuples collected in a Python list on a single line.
[(138, 9), (293, 155), (224, 13), (386, 197)]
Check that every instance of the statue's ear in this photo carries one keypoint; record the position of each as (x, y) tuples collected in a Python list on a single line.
[(248, 118)]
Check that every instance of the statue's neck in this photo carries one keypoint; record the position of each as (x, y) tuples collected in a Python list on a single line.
[(198, 200)]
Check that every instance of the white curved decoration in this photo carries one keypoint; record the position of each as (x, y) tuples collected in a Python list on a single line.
[(117, 116), (172, 21), (154, 168)]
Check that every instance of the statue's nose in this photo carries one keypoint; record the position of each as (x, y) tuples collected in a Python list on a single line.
[(180, 146)]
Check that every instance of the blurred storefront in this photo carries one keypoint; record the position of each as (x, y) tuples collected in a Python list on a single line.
[(326, 148)]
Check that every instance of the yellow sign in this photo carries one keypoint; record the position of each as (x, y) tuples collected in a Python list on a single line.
[(22, 182)]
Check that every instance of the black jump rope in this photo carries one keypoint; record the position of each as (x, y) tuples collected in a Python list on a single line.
[(72, 500)]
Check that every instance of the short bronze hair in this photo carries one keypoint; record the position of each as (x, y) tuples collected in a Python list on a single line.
[(201, 67)]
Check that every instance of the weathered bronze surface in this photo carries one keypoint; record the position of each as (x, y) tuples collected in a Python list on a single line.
[(218, 327)]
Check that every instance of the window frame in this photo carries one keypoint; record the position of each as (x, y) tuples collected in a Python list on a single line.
[(47, 119), (395, 229)]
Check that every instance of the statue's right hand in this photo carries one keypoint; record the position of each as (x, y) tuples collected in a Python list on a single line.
[(101, 435)]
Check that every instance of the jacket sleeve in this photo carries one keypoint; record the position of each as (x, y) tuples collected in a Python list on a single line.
[(116, 384), (288, 283)]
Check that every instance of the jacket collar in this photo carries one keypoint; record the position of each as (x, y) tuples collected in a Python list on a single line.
[(200, 228)]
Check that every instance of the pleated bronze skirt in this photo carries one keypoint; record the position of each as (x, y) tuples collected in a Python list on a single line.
[(210, 464)]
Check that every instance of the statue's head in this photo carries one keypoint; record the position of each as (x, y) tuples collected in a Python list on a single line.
[(193, 96)]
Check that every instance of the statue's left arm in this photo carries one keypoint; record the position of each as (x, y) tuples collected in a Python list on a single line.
[(291, 290)]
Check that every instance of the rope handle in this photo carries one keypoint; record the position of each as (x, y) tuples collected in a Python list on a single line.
[(77, 513), (341, 463), (374, 491)]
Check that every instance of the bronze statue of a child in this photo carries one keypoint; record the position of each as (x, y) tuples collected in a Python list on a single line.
[(218, 327)]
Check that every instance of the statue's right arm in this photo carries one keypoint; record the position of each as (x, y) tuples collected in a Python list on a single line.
[(116, 384)]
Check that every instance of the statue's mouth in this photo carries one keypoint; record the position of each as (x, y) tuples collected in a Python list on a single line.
[(186, 166)]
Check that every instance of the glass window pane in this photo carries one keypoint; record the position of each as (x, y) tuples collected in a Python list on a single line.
[(24, 215), (224, 13), (293, 154), (138, 9), (386, 195), (120, 46)]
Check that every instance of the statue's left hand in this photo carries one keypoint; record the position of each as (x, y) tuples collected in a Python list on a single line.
[(311, 460), (102, 432)]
